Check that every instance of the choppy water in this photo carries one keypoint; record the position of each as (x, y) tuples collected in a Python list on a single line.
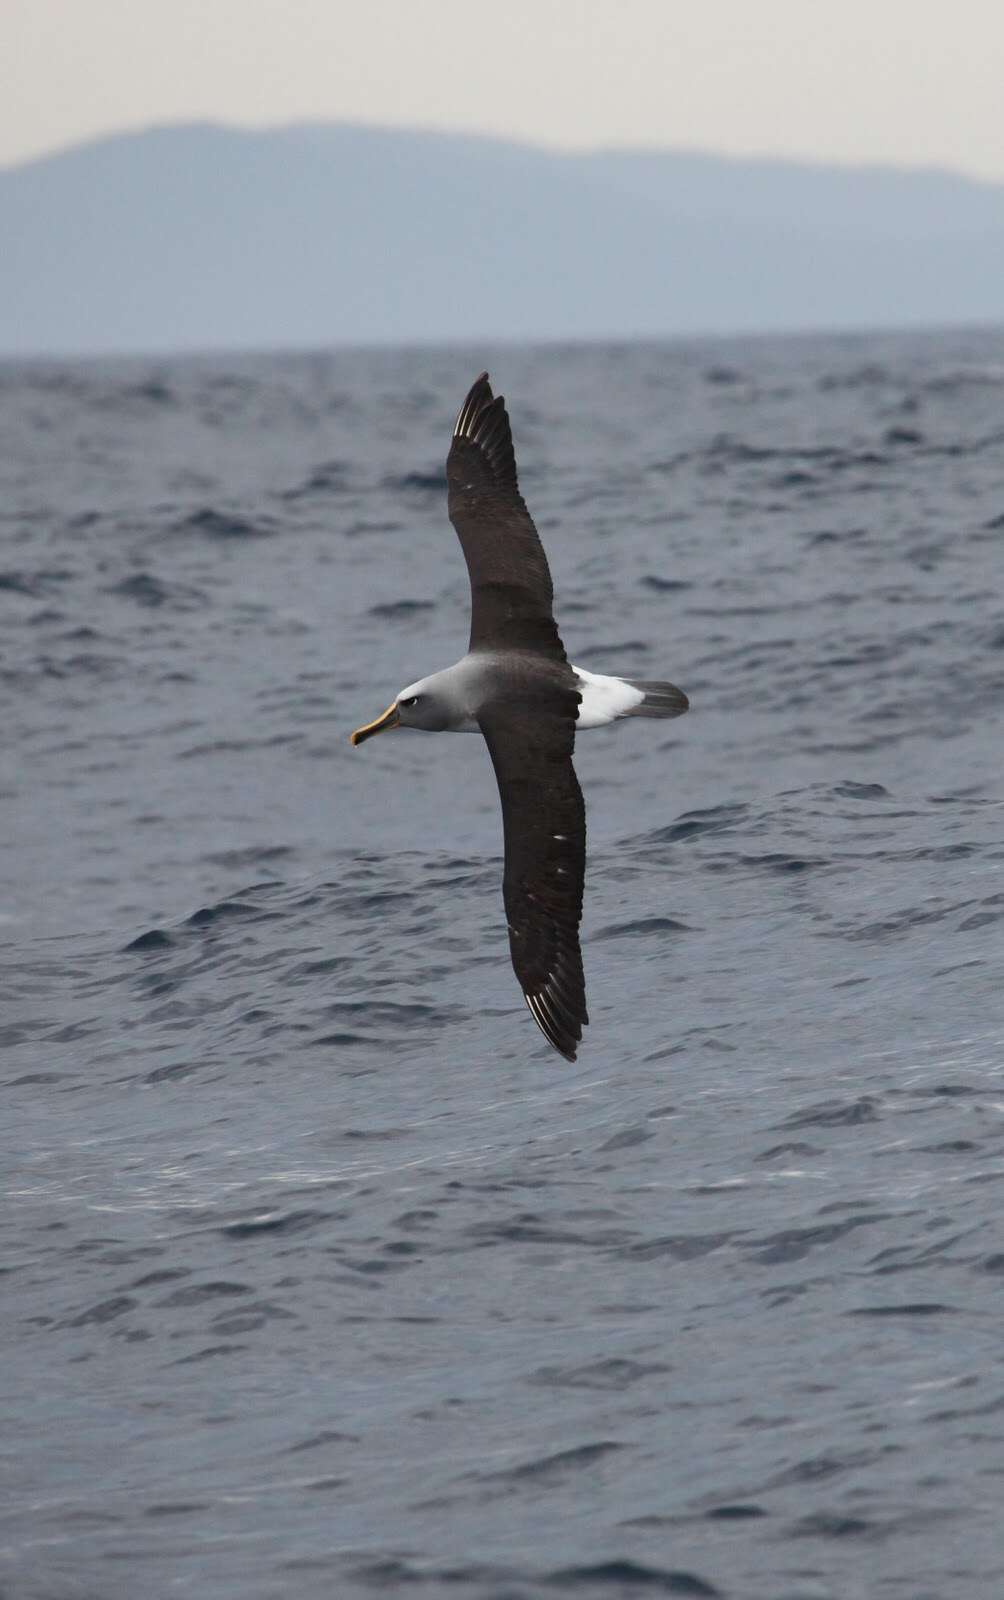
[(323, 1275)]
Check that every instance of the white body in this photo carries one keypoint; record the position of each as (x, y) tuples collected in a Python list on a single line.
[(604, 699)]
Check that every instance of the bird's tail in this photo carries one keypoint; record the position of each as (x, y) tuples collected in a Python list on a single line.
[(661, 699)]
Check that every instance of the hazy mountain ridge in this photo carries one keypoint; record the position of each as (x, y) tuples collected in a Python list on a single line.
[(205, 236)]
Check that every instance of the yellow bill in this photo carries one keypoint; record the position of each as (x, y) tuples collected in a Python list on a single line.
[(387, 719)]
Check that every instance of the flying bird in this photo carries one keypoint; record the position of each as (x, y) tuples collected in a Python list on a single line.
[(518, 687)]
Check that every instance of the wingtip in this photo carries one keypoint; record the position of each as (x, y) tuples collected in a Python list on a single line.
[(483, 422), (559, 1037), (477, 399)]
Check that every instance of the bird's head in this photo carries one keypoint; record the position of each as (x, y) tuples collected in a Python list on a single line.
[(418, 706)]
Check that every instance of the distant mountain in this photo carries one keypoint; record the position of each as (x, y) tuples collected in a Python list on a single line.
[(201, 236)]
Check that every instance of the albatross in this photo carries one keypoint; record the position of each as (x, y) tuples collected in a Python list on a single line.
[(517, 686)]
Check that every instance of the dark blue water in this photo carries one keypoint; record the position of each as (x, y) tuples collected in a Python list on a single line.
[(324, 1276)]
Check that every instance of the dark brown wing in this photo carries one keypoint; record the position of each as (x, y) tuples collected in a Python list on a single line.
[(530, 743), (511, 593)]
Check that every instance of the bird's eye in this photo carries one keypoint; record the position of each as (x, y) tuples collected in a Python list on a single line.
[(412, 700)]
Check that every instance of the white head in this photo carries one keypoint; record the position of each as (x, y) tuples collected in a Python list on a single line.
[(420, 705)]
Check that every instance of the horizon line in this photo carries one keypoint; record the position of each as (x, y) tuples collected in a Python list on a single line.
[(803, 163), (850, 332)]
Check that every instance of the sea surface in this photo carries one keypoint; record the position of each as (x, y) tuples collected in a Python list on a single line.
[(323, 1275)]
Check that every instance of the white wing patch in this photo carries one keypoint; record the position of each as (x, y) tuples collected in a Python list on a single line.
[(604, 699)]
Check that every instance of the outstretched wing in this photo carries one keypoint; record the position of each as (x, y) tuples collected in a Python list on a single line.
[(511, 593), (530, 743)]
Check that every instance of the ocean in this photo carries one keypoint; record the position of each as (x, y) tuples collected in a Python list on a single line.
[(323, 1274)]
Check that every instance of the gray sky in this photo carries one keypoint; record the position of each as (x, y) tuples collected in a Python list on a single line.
[(918, 82)]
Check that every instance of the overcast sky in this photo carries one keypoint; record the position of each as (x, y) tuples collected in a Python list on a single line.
[(918, 82)]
